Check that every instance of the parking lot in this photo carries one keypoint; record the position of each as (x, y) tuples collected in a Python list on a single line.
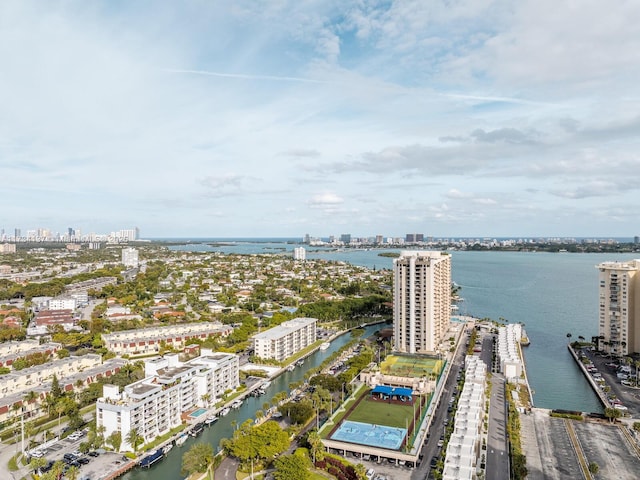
[(606, 368), (93, 465)]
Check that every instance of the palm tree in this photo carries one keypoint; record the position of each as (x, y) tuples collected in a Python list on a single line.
[(134, 438), (73, 473), (30, 397), (206, 398)]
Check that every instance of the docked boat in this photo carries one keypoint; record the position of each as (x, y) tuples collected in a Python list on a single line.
[(152, 458), (299, 363), (324, 345), (210, 420), (224, 411), (181, 439), (291, 368), (236, 404), (167, 448), (197, 429)]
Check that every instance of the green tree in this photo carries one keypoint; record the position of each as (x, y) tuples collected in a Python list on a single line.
[(298, 412), (37, 463), (197, 459), (115, 440), (261, 442), (292, 467), (612, 414), (62, 353), (594, 468), (316, 447), (134, 438), (73, 473), (56, 391), (361, 471)]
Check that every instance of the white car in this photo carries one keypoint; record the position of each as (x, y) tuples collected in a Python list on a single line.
[(370, 473)]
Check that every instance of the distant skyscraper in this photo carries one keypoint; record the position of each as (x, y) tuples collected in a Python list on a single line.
[(299, 253), (379, 239), (130, 257), (345, 238), (636, 239), (307, 238), (421, 300), (16, 234), (619, 295)]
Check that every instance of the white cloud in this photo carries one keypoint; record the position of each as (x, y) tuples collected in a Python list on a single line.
[(321, 115)]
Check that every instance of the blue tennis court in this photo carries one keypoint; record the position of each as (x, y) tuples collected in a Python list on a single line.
[(369, 434)]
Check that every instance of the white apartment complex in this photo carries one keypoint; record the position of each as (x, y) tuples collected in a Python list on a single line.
[(619, 298), (299, 253), (62, 303), (156, 404), (286, 339), (148, 340), (421, 300), (464, 444), (130, 257)]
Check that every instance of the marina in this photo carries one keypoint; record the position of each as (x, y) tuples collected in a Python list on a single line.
[(225, 425)]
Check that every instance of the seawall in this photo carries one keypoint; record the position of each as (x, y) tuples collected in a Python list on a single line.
[(594, 386)]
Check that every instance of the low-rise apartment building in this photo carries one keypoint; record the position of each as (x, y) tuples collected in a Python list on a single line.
[(46, 348), (286, 339), (28, 378), (156, 404), (14, 403), (147, 341)]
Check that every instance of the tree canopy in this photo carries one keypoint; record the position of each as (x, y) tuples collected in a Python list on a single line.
[(257, 442), (197, 459), (292, 467)]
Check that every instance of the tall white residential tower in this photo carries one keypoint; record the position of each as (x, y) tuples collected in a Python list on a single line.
[(619, 298), (421, 300)]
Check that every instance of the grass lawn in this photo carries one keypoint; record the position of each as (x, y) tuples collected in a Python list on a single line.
[(381, 413)]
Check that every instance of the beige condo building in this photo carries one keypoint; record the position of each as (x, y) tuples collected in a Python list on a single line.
[(619, 315), (421, 300)]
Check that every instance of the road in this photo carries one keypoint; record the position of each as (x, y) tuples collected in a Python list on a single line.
[(430, 448), (497, 453), (497, 448)]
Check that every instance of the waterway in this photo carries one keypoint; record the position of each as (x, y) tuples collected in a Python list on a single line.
[(553, 294), (169, 467)]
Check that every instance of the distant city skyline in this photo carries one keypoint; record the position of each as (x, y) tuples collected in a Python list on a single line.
[(267, 119)]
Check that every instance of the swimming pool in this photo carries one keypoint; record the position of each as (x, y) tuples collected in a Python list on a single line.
[(197, 413)]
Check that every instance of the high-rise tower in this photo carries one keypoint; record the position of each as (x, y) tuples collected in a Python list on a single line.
[(619, 298), (421, 300)]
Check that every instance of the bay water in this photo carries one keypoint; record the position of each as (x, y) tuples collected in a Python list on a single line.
[(552, 294)]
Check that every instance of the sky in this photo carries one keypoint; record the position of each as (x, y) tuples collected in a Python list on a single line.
[(281, 118)]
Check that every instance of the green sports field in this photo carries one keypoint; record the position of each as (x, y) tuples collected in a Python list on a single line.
[(381, 413), (411, 366)]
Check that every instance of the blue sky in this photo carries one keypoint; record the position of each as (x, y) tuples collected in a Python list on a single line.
[(280, 118)]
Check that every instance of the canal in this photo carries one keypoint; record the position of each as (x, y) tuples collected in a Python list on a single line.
[(169, 467)]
